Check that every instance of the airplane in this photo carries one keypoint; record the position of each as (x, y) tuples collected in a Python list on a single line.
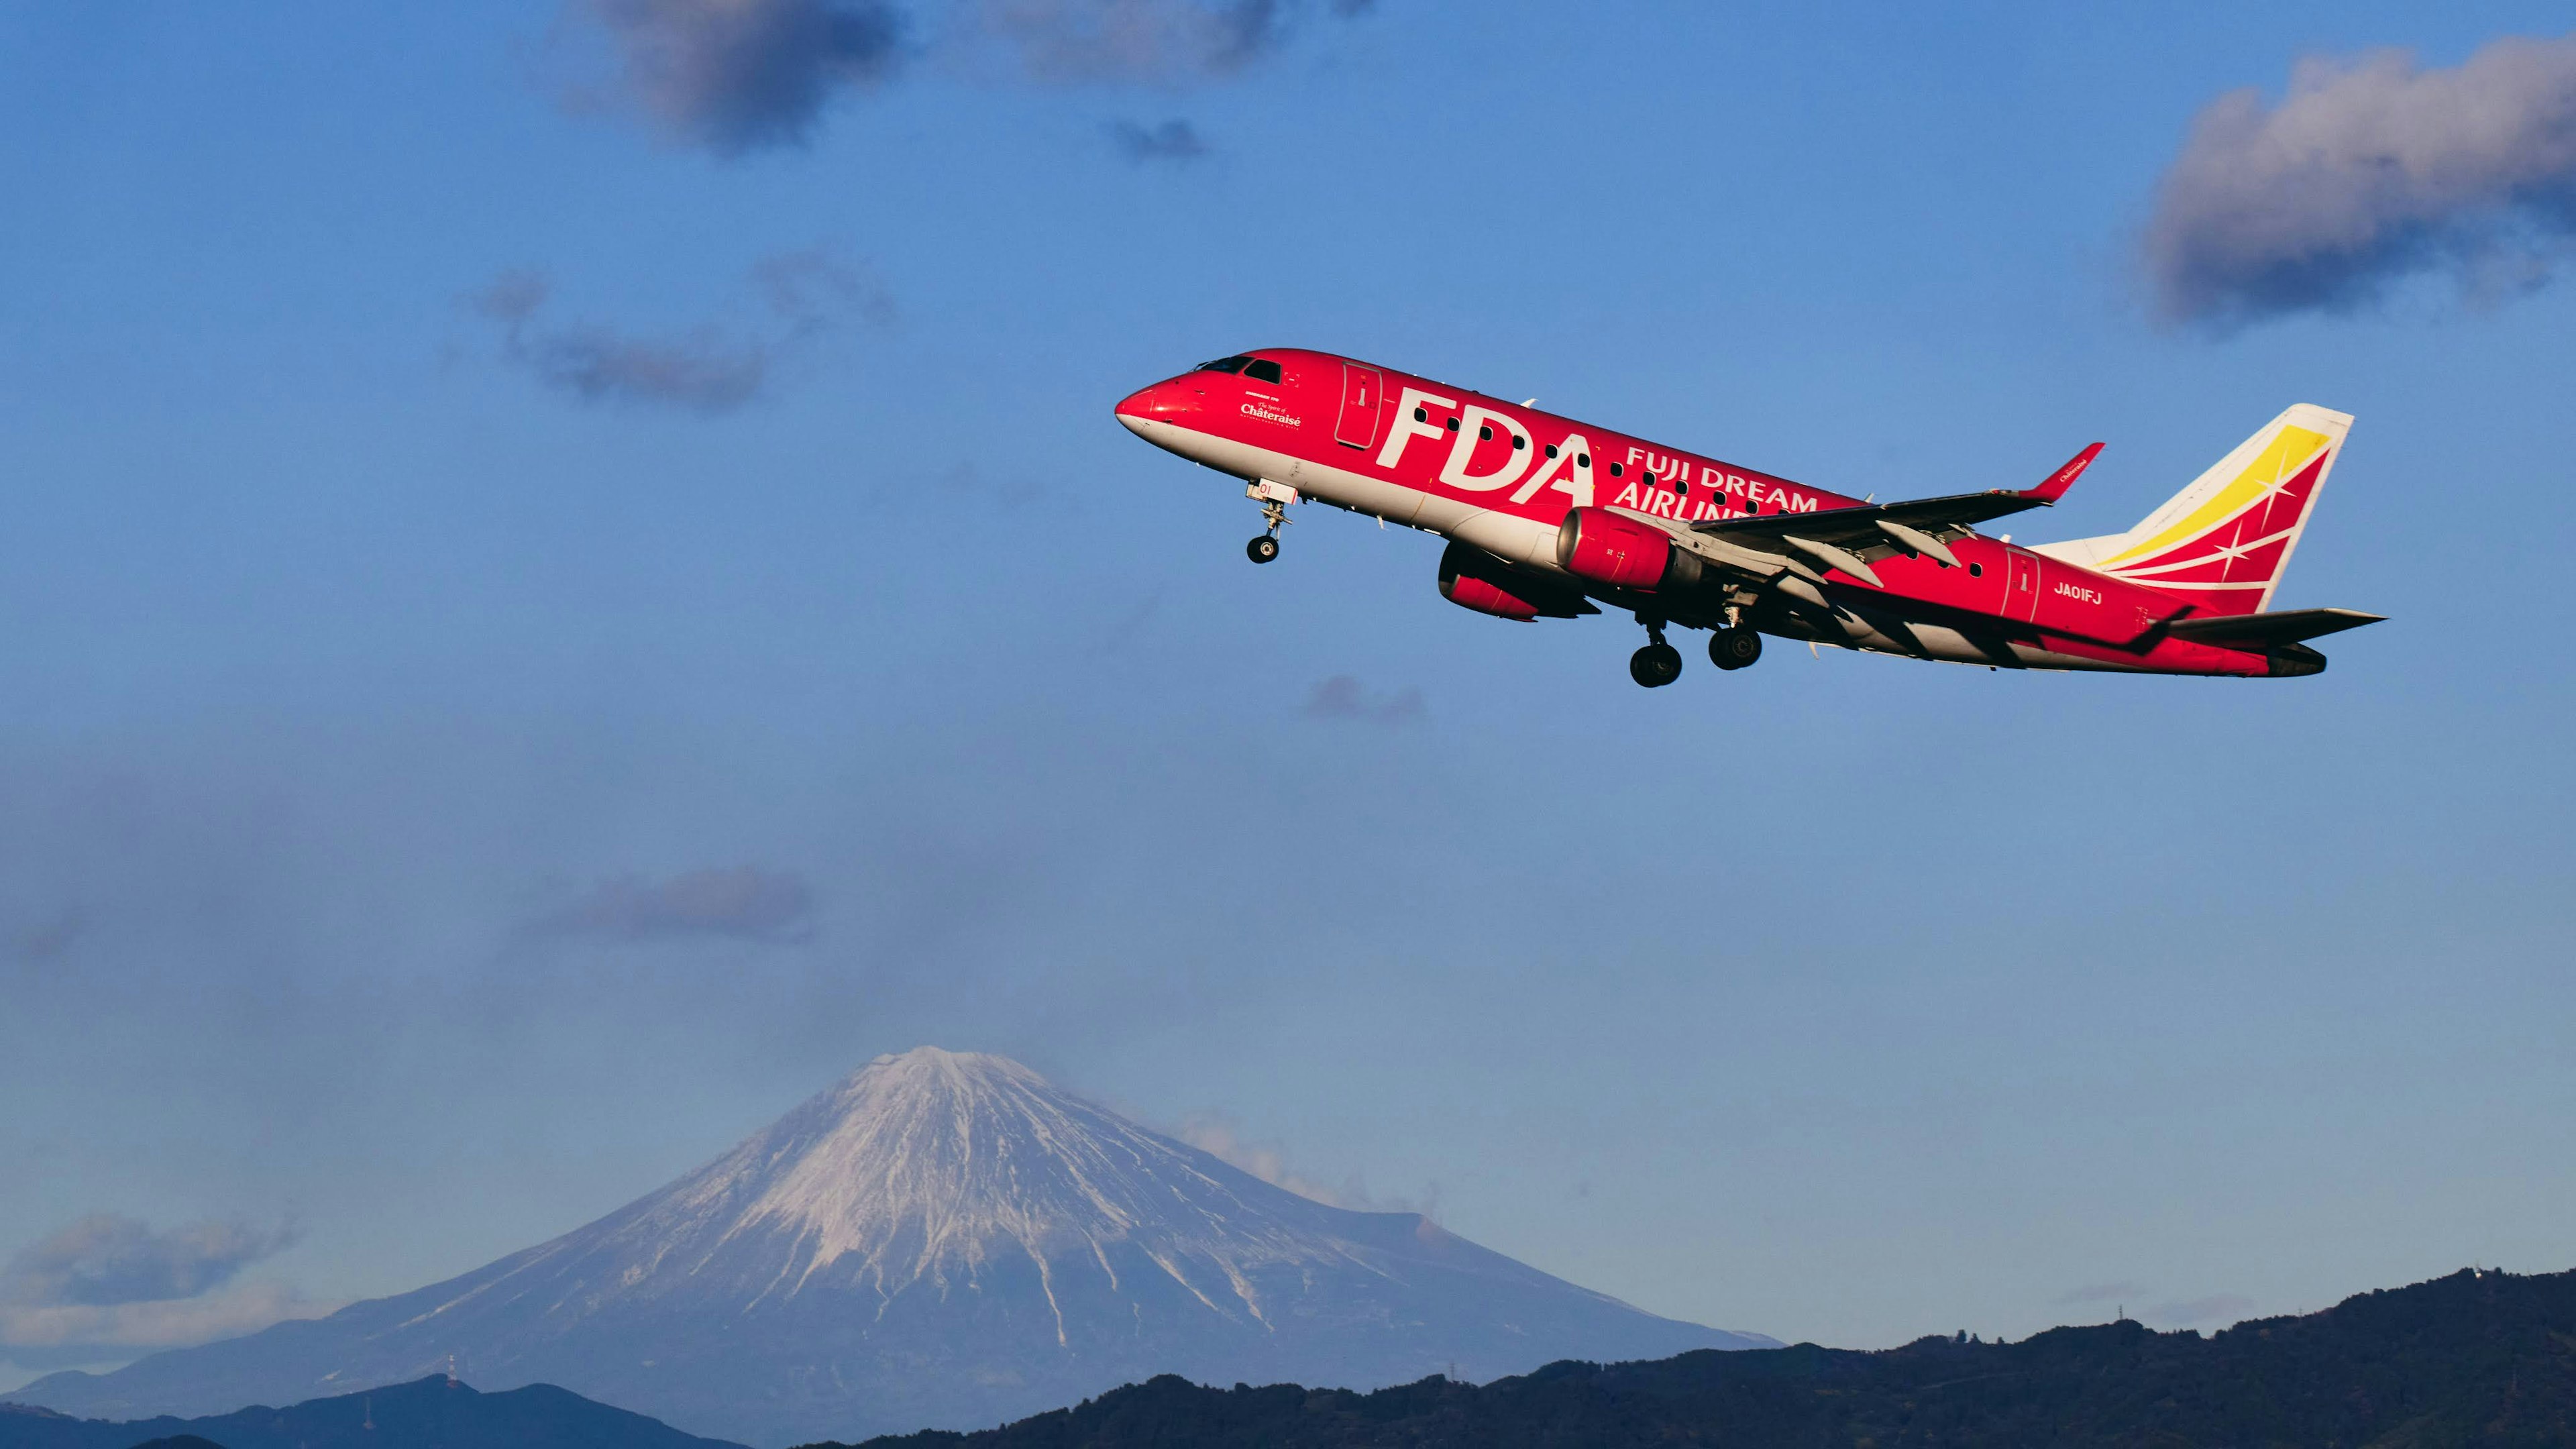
[(1548, 517)]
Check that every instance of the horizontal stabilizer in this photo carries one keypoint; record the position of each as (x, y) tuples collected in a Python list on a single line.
[(2268, 631)]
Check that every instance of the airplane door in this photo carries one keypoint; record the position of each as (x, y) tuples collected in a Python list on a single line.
[(1358, 428), (2023, 601)]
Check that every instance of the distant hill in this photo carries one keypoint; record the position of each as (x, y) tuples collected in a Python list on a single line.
[(943, 1239), (430, 1414), (2485, 1359)]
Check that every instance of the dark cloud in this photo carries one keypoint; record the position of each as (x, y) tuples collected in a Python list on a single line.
[(737, 75), (710, 368), (741, 75), (105, 1260), (1174, 140), (2368, 173), (743, 903), (1342, 697)]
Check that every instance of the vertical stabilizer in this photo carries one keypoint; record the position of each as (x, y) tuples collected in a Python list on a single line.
[(2222, 543)]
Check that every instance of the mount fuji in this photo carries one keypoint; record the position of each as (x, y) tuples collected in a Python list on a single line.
[(941, 1240)]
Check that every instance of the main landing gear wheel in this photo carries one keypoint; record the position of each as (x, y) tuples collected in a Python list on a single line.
[(1656, 665), (1262, 549), (1733, 648)]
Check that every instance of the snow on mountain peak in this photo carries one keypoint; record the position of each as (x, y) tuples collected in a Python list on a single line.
[(931, 1166)]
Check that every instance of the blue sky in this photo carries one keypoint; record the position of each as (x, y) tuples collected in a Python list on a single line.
[(438, 804)]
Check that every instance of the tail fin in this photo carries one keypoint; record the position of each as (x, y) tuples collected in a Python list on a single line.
[(2222, 543)]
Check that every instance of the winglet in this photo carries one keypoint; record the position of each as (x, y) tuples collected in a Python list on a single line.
[(2064, 478)]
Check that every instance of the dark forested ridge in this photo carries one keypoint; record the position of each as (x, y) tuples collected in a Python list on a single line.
[(2474, 1358), (432, 1413)]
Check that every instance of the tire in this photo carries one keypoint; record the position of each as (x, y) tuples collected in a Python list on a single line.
[(1655, 666), (1262, 549), (1734, 648)]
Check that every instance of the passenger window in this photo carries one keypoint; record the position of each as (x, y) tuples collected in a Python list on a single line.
[(1584, 460), (1485, 432), (1519, 442), (1551, 450), (1262, 369), (1224, 364), (1614, 470), (1453, 425)]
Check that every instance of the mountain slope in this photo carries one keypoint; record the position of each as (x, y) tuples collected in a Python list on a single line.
[(943, 1239), (2473, 1359), (431, 1414)]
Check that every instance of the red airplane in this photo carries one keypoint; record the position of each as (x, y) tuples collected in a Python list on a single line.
[(1544, 515)]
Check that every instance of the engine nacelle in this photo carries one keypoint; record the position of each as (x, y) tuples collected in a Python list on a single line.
[(1605, 548), (1474, 579)]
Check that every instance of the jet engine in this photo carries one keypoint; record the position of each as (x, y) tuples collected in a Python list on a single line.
[(1474, 579), (1602, 546)]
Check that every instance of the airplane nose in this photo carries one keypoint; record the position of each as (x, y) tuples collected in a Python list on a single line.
[(1154, 404)]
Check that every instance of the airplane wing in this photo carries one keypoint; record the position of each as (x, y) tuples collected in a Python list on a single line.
[(1849, 538), (2264, 631), (1877, 530)]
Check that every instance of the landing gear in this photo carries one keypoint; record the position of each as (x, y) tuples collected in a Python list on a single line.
[(1655, 666), (1274, 499), (1659, 663), (1734, 647)]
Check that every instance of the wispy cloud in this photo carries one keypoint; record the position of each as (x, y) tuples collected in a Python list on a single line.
[(737, 75), (714, 367), (110, 1283), (740, 75), (1152, 41), (50, 937), (1220, 1137), (1173, 140), (2370, 172), (1343, 697), (2216, 1308), (743, 903)]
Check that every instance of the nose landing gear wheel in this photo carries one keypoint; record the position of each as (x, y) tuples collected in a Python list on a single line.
[(1655, 666), (1733, 648), (1262, 549)]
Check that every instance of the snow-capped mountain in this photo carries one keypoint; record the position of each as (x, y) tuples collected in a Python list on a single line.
[(943, 1239)]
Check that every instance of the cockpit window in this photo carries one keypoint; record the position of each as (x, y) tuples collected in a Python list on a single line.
[(1226, 364), (1262, 369)]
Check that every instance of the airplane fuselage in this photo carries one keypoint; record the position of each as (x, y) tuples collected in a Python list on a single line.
[(1502, 479)]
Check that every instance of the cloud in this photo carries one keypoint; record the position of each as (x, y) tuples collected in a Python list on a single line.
[(1151, 41), (737, 75), (1219, 1136), (743, 903), (105, 1260), (51, 937), (1342, 697), (2221, 1307), (711, 368), (1174, 140), (2368, 173), (66, 1335)]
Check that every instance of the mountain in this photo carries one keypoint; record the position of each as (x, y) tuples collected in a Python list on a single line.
[(434, 1413), (2484, 1359), (941, 1240)]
